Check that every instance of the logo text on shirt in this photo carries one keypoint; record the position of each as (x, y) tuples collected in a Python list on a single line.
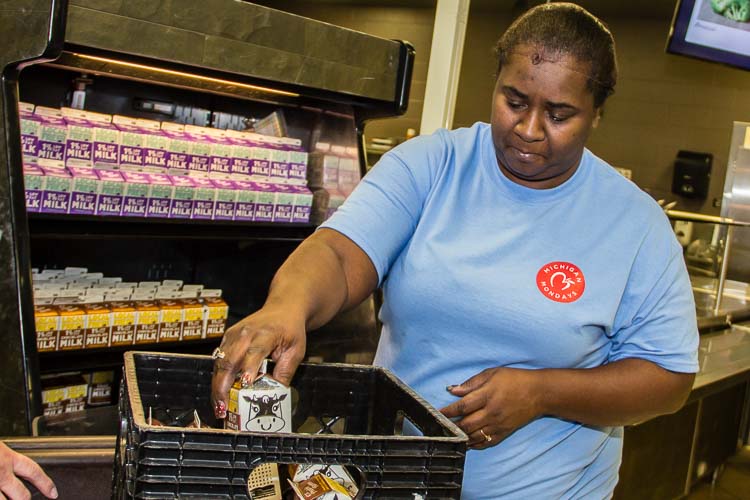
[(561, 281)]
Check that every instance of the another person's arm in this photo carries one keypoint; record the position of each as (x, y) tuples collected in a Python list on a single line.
[(14, 465), (326, 274)]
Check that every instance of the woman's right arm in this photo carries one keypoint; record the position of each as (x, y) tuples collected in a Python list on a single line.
[(326, 274)]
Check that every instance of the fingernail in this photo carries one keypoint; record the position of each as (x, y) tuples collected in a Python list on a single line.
[(450, 388), (246, 380), (220, 409), (53, 493)]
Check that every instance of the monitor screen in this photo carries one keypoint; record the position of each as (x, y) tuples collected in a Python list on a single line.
[(714, 30)]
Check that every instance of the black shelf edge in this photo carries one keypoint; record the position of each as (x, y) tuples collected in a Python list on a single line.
[(56, 226), (112, 357)]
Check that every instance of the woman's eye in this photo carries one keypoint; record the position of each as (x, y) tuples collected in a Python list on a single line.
[(515, 105), (558, 118)]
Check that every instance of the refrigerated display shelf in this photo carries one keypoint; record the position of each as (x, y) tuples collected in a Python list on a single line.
[(51, 226), (112, 357)]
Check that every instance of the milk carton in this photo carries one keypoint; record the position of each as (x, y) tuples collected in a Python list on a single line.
[(192, 319), (160, 198), (265, 406), (147, 320), (221, 155), (29, 132), (156, 147), (323, 171), (111, 189), (279, 159), (283, 203), (199, 159), (47, 320), (135, 196), (106, 139), (302, 204), (53, 132), (260, 165), (241, 152), (247, 196), (226, 199), (33, 183), (182, 200), (204, 200), (98, 324), (337, 473), (215, 313), (56, 196), (264, 206), (297, 165), (72, 324), (84, 192), (178, 148), (170, 319), (123, 322), (79, 147), (349, 175), (131, 149)]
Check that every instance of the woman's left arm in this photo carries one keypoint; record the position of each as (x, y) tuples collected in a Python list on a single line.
[(497, 401)]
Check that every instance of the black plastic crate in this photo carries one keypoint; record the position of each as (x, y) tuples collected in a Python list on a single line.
[(351, 416)]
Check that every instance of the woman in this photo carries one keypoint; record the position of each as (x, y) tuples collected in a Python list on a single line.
[(514, 263)]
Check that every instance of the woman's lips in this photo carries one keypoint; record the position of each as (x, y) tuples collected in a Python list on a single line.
[(524, 155)]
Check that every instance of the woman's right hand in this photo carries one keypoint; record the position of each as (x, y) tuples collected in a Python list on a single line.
[(272, 331)]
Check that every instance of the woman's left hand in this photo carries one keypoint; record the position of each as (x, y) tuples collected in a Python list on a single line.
[(494, 403)]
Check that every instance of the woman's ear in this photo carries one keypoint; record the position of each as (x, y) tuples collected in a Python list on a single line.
[(597, 117)]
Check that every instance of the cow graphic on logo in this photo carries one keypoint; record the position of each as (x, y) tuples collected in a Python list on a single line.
[(561, 281), (265, 412)]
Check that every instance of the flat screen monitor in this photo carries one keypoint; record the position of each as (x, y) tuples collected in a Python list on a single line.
[(713, 30)]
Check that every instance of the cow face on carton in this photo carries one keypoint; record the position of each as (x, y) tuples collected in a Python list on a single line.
[(265, 413)]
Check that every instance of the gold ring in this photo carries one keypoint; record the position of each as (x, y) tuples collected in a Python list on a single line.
[(487, 437), (218, 353)]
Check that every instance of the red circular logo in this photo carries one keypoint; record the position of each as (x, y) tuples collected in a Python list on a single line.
[(561, 281)]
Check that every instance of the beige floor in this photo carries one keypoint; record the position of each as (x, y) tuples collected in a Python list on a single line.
[(733, 482)]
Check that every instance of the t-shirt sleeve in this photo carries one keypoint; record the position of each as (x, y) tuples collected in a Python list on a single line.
[(657, 319), (382, 213)]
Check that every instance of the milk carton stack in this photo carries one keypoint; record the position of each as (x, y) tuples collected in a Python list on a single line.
[(76, 309), (85, 163)]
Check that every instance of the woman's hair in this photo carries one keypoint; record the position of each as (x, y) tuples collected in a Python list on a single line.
[(557, 29)]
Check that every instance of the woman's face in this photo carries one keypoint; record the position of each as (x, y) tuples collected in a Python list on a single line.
[(542, 114)]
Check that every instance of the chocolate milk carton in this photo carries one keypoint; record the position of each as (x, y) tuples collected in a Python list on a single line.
[(264, 205), (192, 317), (72, 324), (178, 148), (29, 132), (265, 406), (135, 197), (47, 319), (215, 312), (160, 198), (84, 191), (123, 322), (33, 184), (182, 200), (147, 321), (98, 323), (226, 199), (170, 318), (204, 199), (131, 147), (247, 196), (111, 189), (57, 186)]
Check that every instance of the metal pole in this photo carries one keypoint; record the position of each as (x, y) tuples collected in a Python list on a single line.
[(723, 271)]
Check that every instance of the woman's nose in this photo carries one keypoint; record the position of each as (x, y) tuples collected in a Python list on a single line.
[(529, 128)]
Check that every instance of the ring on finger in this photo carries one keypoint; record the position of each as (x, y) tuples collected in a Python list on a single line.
[(218, 354), (487, 437)]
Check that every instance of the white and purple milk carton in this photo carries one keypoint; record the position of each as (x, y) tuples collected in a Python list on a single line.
[(226, 199), (84, 193), (260, 164), (111, 189), (106, 140), (264, 205), (135, 196), (199, 159), (241, 153), (221, 155), (178, 148), (182, 200), (283, 203), (53, 132), (56, 195), (302, 204), (247, 196), (29, 132), (297, 165), (131, 149), (160, 198), (155, 147), (79, 147), (279, 160), (204, 200), (33, 184)]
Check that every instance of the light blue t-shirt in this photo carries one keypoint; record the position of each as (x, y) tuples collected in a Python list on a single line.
[(478, 271)]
